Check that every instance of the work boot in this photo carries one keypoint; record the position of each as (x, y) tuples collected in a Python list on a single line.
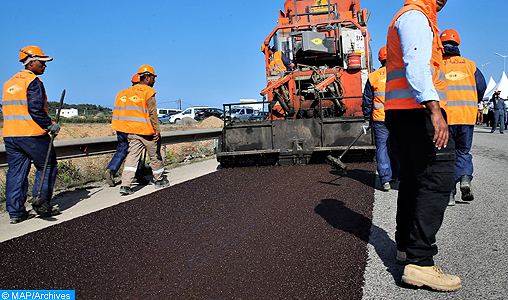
[(108, 175), (451, 202), (125, 190), (161, 183), (431, 277), (465, 188), (24, 217), (50, 211), (401, 257), (385, 187)]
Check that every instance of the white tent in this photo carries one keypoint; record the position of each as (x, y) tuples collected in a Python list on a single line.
[(502, 86), (490, 86)]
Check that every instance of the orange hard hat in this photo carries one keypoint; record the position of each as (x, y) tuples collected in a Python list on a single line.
[(33, 51), (135, 78), (382, 54), (146, 69), (450, 35)]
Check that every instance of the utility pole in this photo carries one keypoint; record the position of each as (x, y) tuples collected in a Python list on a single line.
[(179, 104)]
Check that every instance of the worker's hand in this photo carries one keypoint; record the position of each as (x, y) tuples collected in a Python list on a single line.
[(156, 136), (292, 65), (440, 126), (54, 128), (365, 126)]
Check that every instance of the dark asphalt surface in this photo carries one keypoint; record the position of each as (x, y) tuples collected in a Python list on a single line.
[(248, 233)]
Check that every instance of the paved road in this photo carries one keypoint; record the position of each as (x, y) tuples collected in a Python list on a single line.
[(232, 235), (473, 241)]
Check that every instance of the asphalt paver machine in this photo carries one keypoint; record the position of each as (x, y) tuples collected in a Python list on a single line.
[(314, 110)]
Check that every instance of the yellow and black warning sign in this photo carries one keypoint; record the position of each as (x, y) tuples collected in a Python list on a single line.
[(319, 5)]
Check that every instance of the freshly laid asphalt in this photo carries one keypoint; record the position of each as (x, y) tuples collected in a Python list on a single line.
[(247, 233), (257, 233)]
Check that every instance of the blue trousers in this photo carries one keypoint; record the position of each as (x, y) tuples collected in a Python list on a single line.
[(386, 153), (463, 137), (21, 151), (498, 117), (121, 152)]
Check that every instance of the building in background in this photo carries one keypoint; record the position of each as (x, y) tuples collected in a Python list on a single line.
[(69, 113)]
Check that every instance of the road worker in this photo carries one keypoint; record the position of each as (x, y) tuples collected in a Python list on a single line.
[(374, 113), (498, 112), (136, 115), (25, 129), (278, 62), (465, 87), (123, 146), (415, 87)]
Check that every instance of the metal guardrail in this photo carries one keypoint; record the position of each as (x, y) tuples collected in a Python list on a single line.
[(103, 145)]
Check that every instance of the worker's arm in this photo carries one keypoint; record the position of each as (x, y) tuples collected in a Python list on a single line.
[(152, 111), (368, 99), (442, 132), (481, 85), (286, 61), (36, 100), (416, 41)]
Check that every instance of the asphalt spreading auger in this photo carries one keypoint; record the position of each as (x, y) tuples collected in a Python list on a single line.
[(314, 110)]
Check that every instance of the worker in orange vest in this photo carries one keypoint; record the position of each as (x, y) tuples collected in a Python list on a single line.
[(137, 116), (465, 88), (277, 60), (373, 107), (415, 95), (123, 147), (25, 129)]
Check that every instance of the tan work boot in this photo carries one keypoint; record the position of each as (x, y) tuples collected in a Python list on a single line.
[(432, 277)]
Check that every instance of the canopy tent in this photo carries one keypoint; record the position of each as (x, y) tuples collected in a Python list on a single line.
[(490, 86), (502, 86)]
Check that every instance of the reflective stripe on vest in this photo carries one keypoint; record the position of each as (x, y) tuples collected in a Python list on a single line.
[(462, 104), (131, 114), (276, 63), (378, 81), (17, 119), (398, 95)]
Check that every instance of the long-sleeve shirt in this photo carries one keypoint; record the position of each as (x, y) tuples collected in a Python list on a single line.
[(416, 41), (368, 99), (152, 111), (36, 99)]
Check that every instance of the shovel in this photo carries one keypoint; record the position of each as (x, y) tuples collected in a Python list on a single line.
[(336, 162), (38, 204)]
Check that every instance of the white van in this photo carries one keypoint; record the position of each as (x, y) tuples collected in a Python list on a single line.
[(161, 112), (189, 112)]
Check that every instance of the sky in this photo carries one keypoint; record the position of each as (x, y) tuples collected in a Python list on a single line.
[(205, 52)]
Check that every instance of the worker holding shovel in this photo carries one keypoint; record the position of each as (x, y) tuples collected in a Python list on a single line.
[(25, 129)]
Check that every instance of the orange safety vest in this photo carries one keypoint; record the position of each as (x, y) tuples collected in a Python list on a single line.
[(17, 119), (462, 97), (131, 113), (378, 81), (276, 63), (398, 94)]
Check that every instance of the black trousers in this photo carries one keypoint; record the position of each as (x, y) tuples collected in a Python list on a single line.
[(426, 181)]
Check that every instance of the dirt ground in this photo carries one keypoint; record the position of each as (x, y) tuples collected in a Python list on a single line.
[(89, 130), (94, 166)]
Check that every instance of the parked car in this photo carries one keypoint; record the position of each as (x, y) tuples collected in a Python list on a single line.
[(259, 115), (204, 113), (239, 114), (161, 112), (165, 119), (189, 112)]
